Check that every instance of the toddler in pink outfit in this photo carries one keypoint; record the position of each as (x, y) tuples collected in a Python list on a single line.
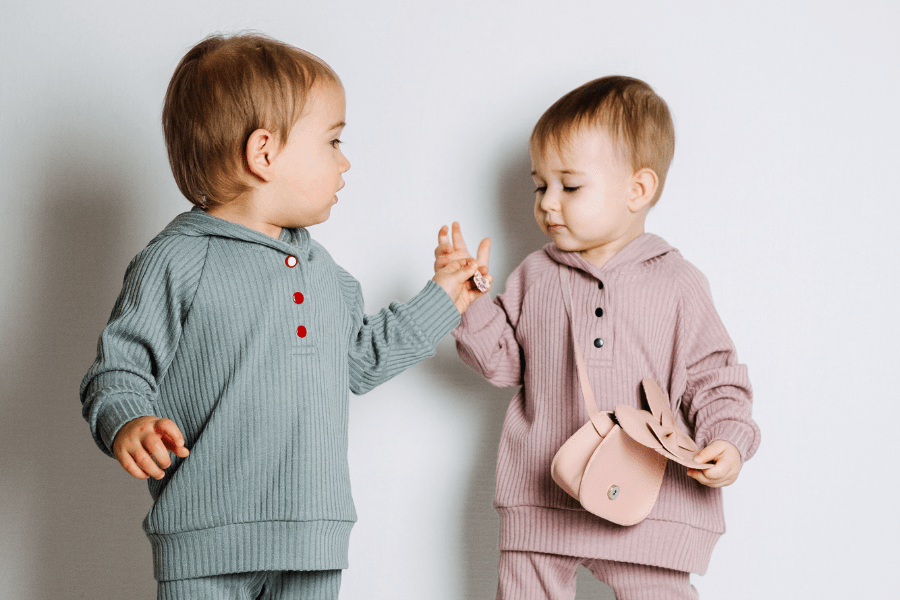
[(600, 156)]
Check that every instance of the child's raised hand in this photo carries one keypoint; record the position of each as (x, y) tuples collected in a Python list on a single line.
[(728, 463), (449, 250), (142, 446), (456, 279)]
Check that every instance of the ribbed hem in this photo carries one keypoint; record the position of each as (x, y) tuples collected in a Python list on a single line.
[(578, 533), (433, 312), (243, 547)]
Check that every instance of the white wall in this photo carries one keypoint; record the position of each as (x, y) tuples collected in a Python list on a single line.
[(782, 191)]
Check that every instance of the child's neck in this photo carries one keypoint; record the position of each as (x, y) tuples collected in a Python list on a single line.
[(243, 211), (600, 255)]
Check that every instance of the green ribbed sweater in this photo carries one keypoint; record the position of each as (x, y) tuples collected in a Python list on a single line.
[(252, 358)]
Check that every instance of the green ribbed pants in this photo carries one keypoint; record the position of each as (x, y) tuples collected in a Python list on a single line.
[(261, 585)]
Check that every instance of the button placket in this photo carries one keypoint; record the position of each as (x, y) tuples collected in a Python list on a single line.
[(297, 298), (601, 355)]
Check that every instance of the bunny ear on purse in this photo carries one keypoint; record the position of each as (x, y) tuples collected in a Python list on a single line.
[(657, 428)]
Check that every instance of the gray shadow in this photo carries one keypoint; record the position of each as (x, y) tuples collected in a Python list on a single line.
[(518, 236), (87, 540)]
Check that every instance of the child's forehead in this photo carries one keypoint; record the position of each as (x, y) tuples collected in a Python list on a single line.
[(326, 100), (571, 145)]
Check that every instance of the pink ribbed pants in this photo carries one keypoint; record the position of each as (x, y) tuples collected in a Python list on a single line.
[(535, 576)]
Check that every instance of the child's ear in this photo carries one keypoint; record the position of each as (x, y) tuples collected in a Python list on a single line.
[(643, 189), (262, 148)]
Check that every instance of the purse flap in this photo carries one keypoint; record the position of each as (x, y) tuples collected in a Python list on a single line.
[(657, 428)]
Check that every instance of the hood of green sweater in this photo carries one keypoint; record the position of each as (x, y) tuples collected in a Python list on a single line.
[(198, 223), (643, 249)]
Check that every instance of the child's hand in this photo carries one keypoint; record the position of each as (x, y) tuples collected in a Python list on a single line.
[(455, 278), (142, 446), (446, 252), (727, 459)]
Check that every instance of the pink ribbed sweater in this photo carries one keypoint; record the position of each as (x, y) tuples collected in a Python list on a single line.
[(654, 314)]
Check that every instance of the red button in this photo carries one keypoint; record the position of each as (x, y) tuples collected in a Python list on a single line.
[(291, 261), (301, 331), (298, 298)]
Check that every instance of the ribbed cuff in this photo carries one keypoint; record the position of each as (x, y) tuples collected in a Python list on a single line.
[(112, 412), (477, 316), (433, 312), (744, 437)]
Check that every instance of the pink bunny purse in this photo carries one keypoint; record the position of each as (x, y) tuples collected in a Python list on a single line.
[(614, 464)]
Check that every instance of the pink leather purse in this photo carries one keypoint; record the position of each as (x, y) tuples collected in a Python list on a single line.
[(614, 464)]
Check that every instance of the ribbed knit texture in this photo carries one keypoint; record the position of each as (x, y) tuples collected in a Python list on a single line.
[(656, 320), (210, 331), (536, 576), (262, 585)]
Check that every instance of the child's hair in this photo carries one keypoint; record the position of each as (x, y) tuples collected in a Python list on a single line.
[(224, 89), (635, 117)]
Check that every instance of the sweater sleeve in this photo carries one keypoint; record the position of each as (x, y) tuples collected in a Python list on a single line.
[(397, 337), (486, 338), (718, 396), (139, 342)]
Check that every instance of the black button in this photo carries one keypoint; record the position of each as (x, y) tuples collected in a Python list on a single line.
[(599, 312), (600, 284), (598, 343)]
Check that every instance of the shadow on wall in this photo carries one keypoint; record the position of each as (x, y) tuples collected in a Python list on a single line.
[(87, 542), (519, 236)]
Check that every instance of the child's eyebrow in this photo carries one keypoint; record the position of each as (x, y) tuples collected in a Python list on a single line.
[(338, 125), (562, 172)]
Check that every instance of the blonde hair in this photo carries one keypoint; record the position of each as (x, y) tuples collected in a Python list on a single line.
[(224, 89), (635, 117)]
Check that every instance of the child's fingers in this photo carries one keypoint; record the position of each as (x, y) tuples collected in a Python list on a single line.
[(147, 464), (443, 246), (726, 466), (130, 466), (711, 453), (171, 436), (713, 480), (158, 452), (701, 477), (484, 254), (463, 268), (458, 242)]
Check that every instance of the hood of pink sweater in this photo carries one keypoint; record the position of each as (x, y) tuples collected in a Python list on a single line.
[(641, 250)]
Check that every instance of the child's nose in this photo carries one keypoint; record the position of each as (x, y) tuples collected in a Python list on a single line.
[(344, 164), (549, 201)]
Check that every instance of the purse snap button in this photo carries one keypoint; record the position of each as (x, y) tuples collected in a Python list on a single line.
[(613, 492)]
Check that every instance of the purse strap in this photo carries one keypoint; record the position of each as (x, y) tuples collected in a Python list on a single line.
[(589, 403)]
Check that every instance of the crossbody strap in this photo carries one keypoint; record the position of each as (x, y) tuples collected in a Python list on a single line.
[(589, 403)]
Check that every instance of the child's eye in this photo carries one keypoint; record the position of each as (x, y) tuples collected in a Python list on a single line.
[(570, 190), (540, 189), (336, 143)]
